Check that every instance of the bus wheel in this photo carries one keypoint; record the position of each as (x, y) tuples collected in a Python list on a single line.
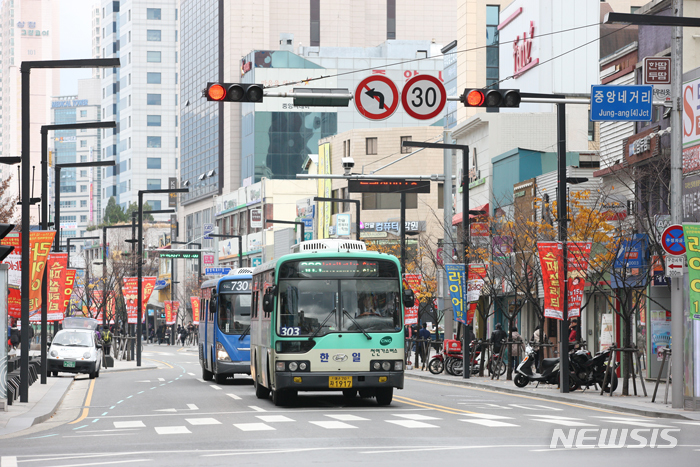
[(385, 395), (261, 392), (280, 398), (220, 379), (350, 393), (207, 375)]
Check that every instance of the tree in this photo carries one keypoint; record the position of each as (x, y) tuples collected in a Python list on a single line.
[(134, 207), (113, 212), (8, 202)]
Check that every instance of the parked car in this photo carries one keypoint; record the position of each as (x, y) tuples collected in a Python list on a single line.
[(75, 351)]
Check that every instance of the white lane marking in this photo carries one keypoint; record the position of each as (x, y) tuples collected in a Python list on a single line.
[(533, 407), (555, 417), (689, 423), (274, 418), (253, 427), (132, 424), (634, 422), (203, 421), (166, 410), (172, 430), (161, 379), (216, 387), (257, 409), (192, 407), (191, 374), (488, 416), (143, 381), (200, 380), (335, 425), (347, 418), (489, 423), (570, 422), (233, 396), (105, 434), (8, 461), (411, 424), (485, 406), (415, 416), (103, 463)]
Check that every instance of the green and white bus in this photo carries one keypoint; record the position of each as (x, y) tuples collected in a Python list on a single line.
[(328, 317)]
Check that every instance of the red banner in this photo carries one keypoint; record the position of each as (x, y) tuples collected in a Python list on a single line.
[(14, 274), (67, 292), (95, 310), (412, 281), (176, 309), (148, 284), (130, 292), (195, 309), (40, 246), (477, 275), (577, 254), (168, 305), (58, 269), (552, 263)]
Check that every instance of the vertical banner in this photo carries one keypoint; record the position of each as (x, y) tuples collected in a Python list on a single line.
[(14, 274), (413, 282), (67, 292), (148, 284), (172, 197), (457, 286), (552, 263), (176, 309), (477, 274), (58, 269), (691, 232), (577, 254), (195, 309), (39, 246), (130, 292), (168, 305), (95, 310)]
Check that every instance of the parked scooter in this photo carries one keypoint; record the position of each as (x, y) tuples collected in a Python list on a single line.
[(525, 372), (589, 371)]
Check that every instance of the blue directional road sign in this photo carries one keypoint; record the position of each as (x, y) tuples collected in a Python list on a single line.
[(216, 271), (621, 103)]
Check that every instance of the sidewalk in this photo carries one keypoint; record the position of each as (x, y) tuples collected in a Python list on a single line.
[(638, 405)]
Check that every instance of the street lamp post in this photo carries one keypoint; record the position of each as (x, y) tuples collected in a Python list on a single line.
[(139, 264), (25, 71)]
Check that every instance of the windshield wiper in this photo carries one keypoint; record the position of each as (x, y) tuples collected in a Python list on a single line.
[(245, 332), (311, 337), (345, 312)]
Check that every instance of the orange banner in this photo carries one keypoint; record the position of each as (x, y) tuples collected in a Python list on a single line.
[(14, 274), (68, 292), (195, 309), (148, 284), (552, 264), (176, 308), (58, 269), (168, 305), (39, 246)]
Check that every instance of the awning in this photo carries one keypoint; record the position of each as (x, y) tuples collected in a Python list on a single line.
[(484, 208), (164, 284), (154, 302)]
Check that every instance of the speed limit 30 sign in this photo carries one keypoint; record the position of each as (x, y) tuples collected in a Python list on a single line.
[(423, 97)]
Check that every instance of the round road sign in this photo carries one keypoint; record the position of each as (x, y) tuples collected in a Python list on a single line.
[(423, 97), (672, 240), (376, 97)]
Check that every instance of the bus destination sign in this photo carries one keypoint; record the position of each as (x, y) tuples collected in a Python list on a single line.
[(179, 254), (388, 186)]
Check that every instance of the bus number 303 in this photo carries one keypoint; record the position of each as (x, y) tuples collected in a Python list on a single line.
[(289, 331)]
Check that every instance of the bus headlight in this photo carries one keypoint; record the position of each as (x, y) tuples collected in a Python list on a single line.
[(386, 366), (221, 354), (293, 366), (377, 365), (398, 365), (280, 366), (302, 366)]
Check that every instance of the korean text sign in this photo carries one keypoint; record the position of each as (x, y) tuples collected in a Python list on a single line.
[(577, 254), (551, 262), (413, 282), (58, 270), (457, 286), (691, 231), (68, 290), (621, 103), (195, 309)]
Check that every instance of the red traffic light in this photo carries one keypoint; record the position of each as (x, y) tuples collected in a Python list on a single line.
[(216, 92), (475, 98)]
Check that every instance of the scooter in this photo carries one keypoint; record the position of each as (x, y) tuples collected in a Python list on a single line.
[(525, 373)]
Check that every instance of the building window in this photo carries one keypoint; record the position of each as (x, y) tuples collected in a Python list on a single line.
[(390, 19), (83, 203), (371, 144), (153, 163), (152, 13), (492, 13), (67, 204), (129, 37), (153, 35), (405, 149), (153, 56), (153, 99), (153, 142), (374, 201), (83, 113), (83, 188), (591, 127), (154, 204), (153, 120), (83, 219), (346, 148), (83, 174), (153, 184), (315, 9), (153, 78), (83, 143), (441, 196)]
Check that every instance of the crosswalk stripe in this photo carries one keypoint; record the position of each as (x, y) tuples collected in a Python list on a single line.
[(216, 387), (333, 425), (233, 396), (172, 430), (202, 421), (256, 408), (412, 424), (412, 416), (489, 423), (488, 416), (132, 424), (348, 418), (253, 427), (274, 418), (569, 423)]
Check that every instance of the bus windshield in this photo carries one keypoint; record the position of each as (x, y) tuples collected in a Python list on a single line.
[(318, 307), (234, 313)]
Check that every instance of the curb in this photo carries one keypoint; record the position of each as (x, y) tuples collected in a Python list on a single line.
[(149, 366), (27, 420), (598, 405)]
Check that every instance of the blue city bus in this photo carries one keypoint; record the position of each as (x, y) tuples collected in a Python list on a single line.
[(224, 326)]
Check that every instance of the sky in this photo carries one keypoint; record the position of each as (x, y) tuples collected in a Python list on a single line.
[(76, 40)]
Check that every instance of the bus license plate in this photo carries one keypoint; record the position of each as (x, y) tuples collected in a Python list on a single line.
[(67, 364), (340, 382)]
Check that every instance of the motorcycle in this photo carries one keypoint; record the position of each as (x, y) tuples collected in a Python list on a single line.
[(524, 373), (590, 371), (450, 359)]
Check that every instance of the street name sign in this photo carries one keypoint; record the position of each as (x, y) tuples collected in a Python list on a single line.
[(216, 271), (621, 103)]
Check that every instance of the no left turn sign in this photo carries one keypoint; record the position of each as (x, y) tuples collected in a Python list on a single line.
[(423, 97), (376, 97)]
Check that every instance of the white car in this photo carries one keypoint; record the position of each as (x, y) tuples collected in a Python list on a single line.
[(75, 351)]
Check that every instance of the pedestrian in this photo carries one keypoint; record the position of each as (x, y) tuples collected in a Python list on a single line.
[(159, 335), (107, 341), (183, 335), (424, 336), (538, 337), (573, 334), (497, 338), (516, 346)]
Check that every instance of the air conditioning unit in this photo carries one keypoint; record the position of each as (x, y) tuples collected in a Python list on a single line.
[(329, 244)]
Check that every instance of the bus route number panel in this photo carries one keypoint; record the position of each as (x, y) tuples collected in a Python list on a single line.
[(235, 286)]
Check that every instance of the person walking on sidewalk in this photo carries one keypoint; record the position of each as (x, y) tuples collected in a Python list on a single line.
[(107, 340), (536, 338), (424, 336), (497, 338), (516, 347)]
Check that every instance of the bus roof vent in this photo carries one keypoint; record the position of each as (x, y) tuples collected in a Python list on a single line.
[(241, 271), (329, 244)]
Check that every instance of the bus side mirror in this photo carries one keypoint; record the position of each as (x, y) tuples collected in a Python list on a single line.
[(268, 300), (409, 299)]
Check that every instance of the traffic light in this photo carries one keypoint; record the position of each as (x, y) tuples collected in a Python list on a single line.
[(234, 92), (491, 98), (5, 250)]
